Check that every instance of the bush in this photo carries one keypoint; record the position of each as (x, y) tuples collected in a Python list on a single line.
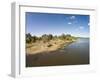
[(49, 45)]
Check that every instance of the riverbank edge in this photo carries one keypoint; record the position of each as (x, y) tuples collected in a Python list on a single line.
[(53, 48)]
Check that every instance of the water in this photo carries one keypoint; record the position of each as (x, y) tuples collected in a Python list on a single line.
[(76, 53)]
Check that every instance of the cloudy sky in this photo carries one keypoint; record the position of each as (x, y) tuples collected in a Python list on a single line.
[(56, 24)]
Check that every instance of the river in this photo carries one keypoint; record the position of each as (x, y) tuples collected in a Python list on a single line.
[(77, 53)]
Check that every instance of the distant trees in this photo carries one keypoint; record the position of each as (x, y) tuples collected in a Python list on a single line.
[(28, 38), (34, 38), (50, 37), (44, 38), (69, 37), (63, 36), (47, 37)]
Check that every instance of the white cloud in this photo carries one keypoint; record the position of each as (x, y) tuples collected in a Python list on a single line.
[(81, 27), (72, 17), (69, 23)]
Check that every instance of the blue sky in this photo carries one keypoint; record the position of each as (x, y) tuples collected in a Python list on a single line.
[(56, 24)]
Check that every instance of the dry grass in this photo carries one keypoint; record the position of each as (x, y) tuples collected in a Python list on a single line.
[(38, 47)]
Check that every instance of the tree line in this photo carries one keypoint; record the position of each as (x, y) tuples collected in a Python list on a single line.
[(47, 37)]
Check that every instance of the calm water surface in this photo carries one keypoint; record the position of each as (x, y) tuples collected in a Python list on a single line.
[(74, 54)]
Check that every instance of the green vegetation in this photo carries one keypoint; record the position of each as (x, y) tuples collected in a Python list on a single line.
[(47, 42), (47, 37)]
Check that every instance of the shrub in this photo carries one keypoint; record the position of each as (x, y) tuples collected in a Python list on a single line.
[(49, 45)]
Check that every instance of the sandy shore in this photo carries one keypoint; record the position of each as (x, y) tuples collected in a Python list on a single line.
[(52, 45)]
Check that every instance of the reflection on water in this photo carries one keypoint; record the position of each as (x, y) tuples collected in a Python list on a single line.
[(75, 53)]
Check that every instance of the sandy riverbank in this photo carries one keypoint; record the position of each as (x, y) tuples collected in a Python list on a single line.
[(40, 46)]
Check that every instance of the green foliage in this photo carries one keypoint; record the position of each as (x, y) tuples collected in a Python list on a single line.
[(50, 36), (63, 37), (34, 38), (46, 38), (69, 37), (28, 38)]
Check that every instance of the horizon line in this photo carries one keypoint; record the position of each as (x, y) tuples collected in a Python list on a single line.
[(59, 35)]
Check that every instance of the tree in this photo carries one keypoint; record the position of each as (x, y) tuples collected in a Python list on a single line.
[(34, 38), (68, 37), (50, 36), (28, 38), (63, 36), (44, 38), (55, 37)]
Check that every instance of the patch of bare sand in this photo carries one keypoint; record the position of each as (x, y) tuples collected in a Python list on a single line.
[(52, 45)]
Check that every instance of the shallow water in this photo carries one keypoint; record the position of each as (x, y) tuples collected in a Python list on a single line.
[(73, 54)]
